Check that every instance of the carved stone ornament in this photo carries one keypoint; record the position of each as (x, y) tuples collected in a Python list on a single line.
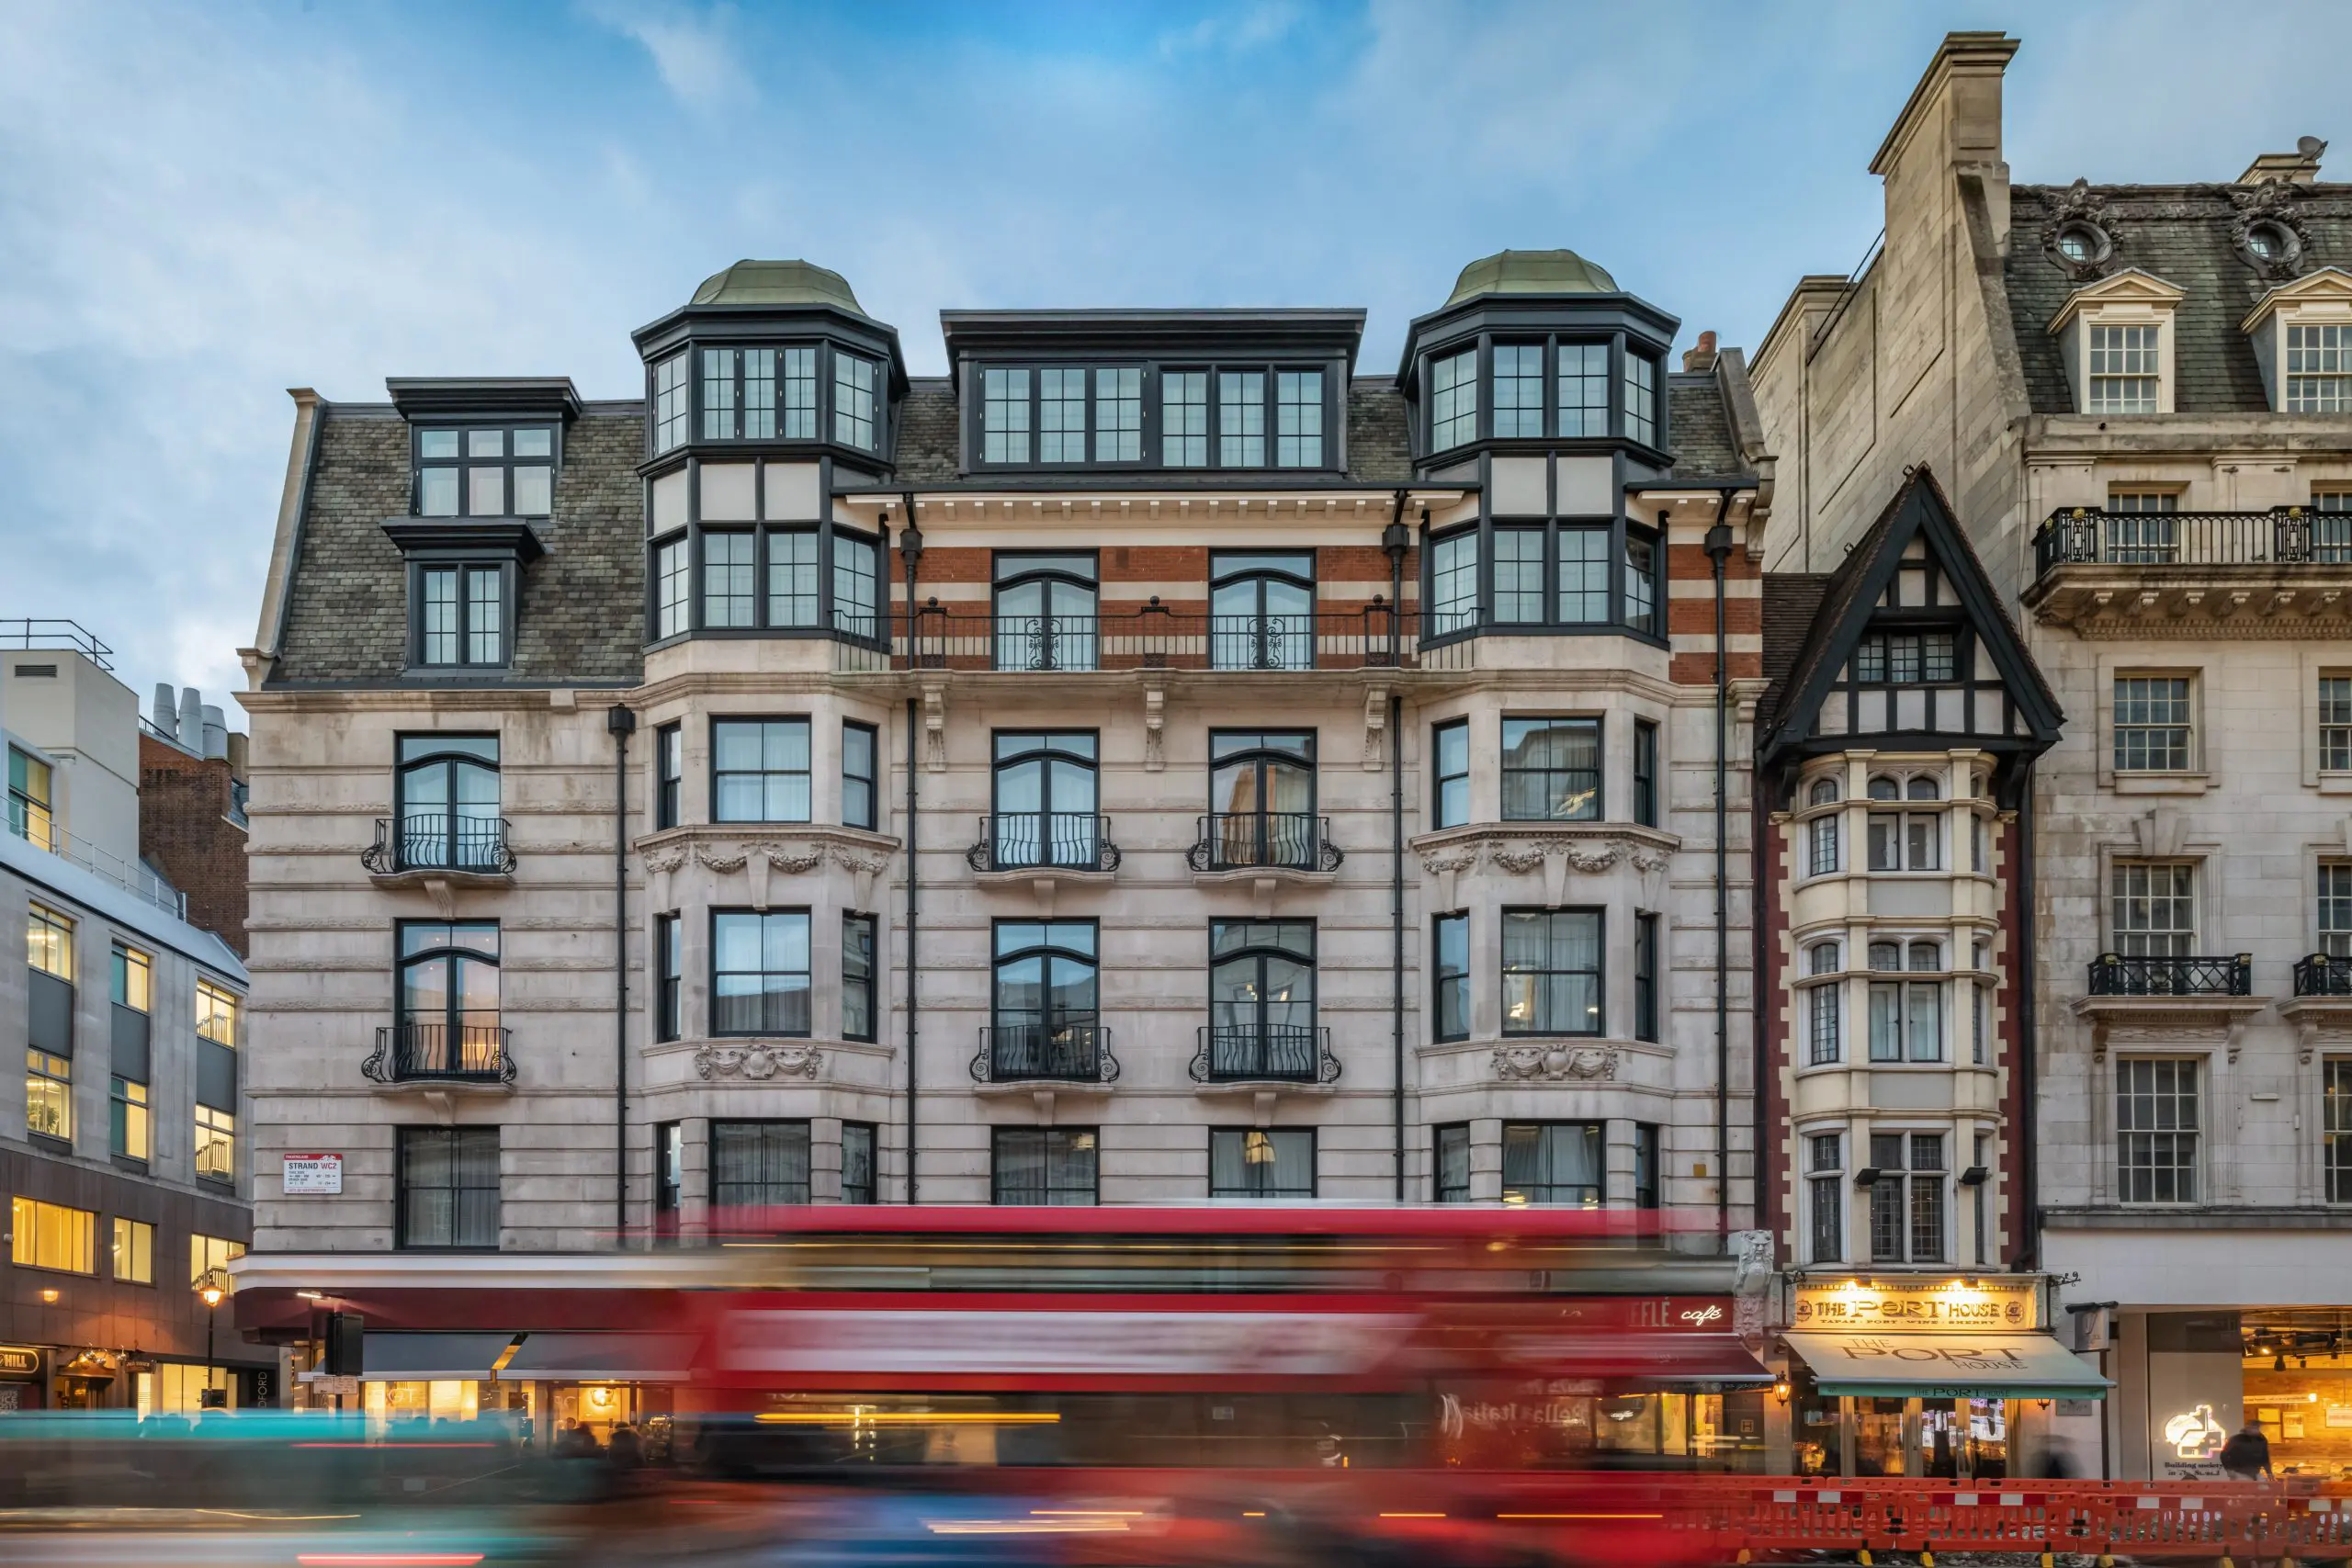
[(1555, 1064), (2077, 239), (665, 860), (757, 1063), (2269, 212)]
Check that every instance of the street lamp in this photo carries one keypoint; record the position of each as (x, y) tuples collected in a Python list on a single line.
[(211, 1285)]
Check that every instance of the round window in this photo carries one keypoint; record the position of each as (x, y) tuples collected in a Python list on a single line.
[(2270, 242), (2081, 244)]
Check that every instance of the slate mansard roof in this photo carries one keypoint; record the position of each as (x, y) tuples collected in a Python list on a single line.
[(2183, 234)]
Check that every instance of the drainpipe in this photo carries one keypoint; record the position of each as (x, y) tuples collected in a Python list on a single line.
[(621, 722), (1718, 547), (911, 551), (2029, 1135), (1394, 539)]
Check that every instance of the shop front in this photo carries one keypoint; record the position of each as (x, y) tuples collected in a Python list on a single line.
[(20, 1377), (538, 1386), (1943, 1378)]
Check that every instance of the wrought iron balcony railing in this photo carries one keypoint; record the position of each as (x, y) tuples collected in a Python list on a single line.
[(430, 1053), (439, 841), (2202, 975), (2323, 974), (2285, 535), (1045, 1048), (1264, 1053), (1155, 636), (1043, 841), (1238, 840)]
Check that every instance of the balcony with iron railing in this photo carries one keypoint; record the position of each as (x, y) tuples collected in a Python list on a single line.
[(1074, 842), (440, 843), (440, 1053), (1264, 840), (2323, 974), (1155, 636), (1264, 1053), (2091, 562), (2115, 975), (1045, 1048)]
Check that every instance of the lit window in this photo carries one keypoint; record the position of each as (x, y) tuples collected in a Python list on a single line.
[(130, 1129), (51, 1236), (216, 1144), (134, 1252), (1518, 389), (1261, 1162), (207, 1254), (1118, 416), (133, 981), (2156, 1128), (1552, 974), (1298, 419), (670, 400), (854, 402), (1184, 418), (2123, 370), (1584, 388), (1241, 419), (28, 808), (216, 1014), (48, 1094), (2152, 724), (1454, 399), (2319, 369), (1641, 399)]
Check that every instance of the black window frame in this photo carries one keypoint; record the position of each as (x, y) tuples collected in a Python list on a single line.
[(1825, 1175), (1292, 839), (1649, 1169), (463, 566), (670, 429), (457, 1019), (1051, 1043), (807, 775), (1597, 773), (1599, 972), (449, 759), (794, 1194), (1057, 641), (1154, 385), (1074, 844), (999, 1137), (1442, 979), (669, 775), (1619, 420), (669, 1175), (404, 1189), (716, 1026), (1445, 1139), (853, 734), (870, 1189), (780, 382), (1596, 1131), (669, 978), (836, 567), (1646, 977), (1258, 946), (1439, 735), (1263, 1192), (463, 463), (1646, 773), (865, 986), (1266, 640)]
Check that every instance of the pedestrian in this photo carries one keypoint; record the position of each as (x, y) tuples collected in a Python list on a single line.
[(622, 1451), (2247, 1456)]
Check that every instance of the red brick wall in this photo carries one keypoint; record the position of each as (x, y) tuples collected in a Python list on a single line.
[(184, 829)]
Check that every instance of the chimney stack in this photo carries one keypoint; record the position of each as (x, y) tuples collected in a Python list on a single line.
[(1701, 355), (216, 733), (2300, 167), (189, 730), (164, 714)]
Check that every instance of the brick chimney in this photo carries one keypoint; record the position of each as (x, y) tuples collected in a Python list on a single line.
[(1701, 355), (2300, 167)]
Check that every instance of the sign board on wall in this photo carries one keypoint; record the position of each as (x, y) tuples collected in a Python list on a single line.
[(19, 1361), (1927, 1305), (314, 1175)]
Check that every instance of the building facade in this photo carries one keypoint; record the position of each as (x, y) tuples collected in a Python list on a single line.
[(123, 1146), (2137, 400), (1151, 763)]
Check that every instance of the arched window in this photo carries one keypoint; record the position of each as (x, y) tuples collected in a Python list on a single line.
[(1887, 956), (1825, 792), (1883, 787), (449, 1024), (1926, 955), (1823, 958), (1922, 786), (1045, 612)]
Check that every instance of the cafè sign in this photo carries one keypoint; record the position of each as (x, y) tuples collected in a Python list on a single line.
[(1927, 1305)]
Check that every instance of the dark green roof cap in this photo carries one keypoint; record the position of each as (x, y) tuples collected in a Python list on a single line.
[(1530, 272), (776, 282)]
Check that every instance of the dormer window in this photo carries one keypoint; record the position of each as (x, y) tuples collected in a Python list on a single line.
[(670, 404), (2319, 369), (2123, 373), (1641, 399), (854, 383), (1063, 416), (461, 616), (485, 471)]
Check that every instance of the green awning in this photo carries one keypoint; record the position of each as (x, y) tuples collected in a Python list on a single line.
[(1948, 1366)]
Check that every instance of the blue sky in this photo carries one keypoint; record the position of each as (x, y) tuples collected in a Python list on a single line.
[(201, 205)]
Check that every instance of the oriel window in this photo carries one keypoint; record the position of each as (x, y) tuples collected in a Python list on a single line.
[(760, 972)]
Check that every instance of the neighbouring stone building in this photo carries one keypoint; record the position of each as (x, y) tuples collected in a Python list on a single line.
[(1152, 763), (123, 1142), (2139, 400)]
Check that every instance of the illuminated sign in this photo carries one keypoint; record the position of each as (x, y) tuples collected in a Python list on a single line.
[(2195, 1435), (19, 1361), (1927, 1305)]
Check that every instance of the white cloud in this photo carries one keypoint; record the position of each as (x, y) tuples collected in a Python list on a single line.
[(1251, 28), (697, 53)]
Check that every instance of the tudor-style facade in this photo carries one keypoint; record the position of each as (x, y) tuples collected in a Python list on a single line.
[(1894, 748)]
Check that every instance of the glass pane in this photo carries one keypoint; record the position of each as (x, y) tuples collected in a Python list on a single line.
[(533, 491), (486, 492)]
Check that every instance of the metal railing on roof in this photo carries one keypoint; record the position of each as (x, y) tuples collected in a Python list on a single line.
[(132, 877), (1845, 295), (30, 632)]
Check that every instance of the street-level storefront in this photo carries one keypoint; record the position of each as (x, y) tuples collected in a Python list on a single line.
[(537, 1384), (1942, 1377)]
